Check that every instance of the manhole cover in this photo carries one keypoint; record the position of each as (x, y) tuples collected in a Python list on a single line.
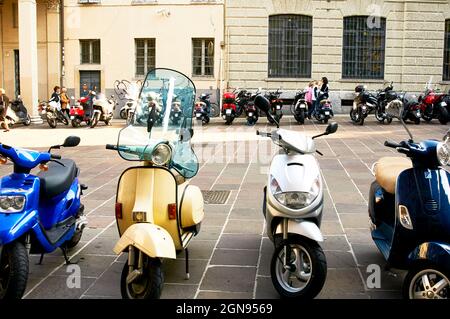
[(215, 197)]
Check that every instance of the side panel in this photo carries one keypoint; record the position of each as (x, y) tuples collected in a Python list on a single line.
[(436, 253)]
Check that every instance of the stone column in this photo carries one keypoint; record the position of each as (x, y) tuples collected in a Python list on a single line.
[(28, 57)]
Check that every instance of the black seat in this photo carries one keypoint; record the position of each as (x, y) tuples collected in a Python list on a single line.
[(58, 178)]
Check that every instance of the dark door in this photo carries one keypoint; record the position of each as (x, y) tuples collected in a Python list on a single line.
[(16, 73), (91, 78)]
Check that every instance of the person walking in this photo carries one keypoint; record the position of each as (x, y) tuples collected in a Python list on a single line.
[(309, 95), (55, 96), (314, 91), (65, 101), (4, 103)]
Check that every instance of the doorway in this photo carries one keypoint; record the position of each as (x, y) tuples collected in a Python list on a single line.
[(91, 78)]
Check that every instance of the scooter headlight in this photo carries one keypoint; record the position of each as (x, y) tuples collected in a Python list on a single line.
[(443, 153), (295, 200), (161, 154), (12, 204)]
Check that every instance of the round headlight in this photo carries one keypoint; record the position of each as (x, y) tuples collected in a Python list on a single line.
[(443, 153), (161, 154)]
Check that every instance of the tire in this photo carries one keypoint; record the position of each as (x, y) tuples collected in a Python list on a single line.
[(75, 123), (300, 118), (75, 240), (95, 120), (215, 110), (150, 285), (325, 121), (360, 120), (229, 120), (417, 121), (413, 286), (62, 117), (13, 271), (317, 267), (51, 121), (379, 116), (443, 116), (205, 120), (388, 120), (27, 121), (123, 114), (354, 115)]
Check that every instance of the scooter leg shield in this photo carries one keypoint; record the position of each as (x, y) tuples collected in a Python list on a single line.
[(151, 239), (304, 228)]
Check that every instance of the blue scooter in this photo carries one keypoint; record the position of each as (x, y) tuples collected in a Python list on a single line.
[(38, 213), (409, 208)]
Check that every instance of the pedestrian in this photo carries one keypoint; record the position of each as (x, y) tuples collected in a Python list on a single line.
[(4, 103), (314, 90), (85, 92), (65, 101), (55, 96), (309, 94)]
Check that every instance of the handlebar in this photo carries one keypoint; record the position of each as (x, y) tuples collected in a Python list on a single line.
[(265, 134), (111, 147), (54, 156), (392, 144)]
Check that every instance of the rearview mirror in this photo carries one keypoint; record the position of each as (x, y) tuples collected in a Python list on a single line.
[(395, 109), (71, 141), (332, 128)]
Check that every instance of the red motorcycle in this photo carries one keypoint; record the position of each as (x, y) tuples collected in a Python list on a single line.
[(434, 105), (78, 112), (229, 107)]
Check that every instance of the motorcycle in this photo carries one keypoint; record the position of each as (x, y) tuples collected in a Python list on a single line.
[(158, 213), (53, 113), (103, 109), (229, 107), (411, 110), (78, 112), (300, 107), (366, 102), (324, 111), (409, 209), (128, 92), (17, 113), (276, 106), (434, 106), (201, 112), (38, 213), (214, 110), (251, 111), (293, 205)]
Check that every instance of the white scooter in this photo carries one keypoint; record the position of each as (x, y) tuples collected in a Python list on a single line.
[(103, 109), (293, 204)]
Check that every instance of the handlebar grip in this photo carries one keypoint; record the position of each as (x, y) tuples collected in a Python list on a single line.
[(111, 147), (392, 144), (54, 156)]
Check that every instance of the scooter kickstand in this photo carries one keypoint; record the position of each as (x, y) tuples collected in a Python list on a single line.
[(186, 256), (68, 262), (40, 259)]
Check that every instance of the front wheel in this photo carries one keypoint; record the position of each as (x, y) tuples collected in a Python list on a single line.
[(13, 271), (51, 120), (443, 116), (95, 120), (27, 121), (123, 114), (354, 115), (304, 274), (300, 118), (149, 285), (361, 117), (426, 282)]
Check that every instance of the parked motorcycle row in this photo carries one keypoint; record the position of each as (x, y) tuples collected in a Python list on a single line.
[(428, 106), (159, 212)]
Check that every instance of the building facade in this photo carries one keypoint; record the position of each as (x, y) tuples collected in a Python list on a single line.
[(224, 44)]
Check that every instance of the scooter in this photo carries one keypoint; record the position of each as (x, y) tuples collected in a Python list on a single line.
[(201, 112), (38, 213), (53, 113), (78, 113), (158, 213), (293, 204), (300, 107), (214, 110), (230, 109), (324, 111), (276, 106), (17, 113), (409, 209), (103, 109)]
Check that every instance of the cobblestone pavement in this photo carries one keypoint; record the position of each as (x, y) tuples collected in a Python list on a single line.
[(231, 256)]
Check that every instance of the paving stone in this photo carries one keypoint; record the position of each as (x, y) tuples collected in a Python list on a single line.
[(175, 271), (355, 220), (55, 287), (265, 289), (230, 279), (239, 227), (235, 257), (224, 295), (339, 259), (239, 241), (367, 254), (173, 291), (90, 266), (109, 283)]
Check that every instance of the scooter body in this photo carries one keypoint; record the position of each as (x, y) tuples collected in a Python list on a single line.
[(17, 113), (324, 111), (53, 113), (78, 113), (300, 107), (201, 112), (229, 107), (103, 109), (39, 212), (409, 209), (434, 106)]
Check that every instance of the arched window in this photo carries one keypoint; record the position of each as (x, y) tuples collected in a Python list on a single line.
[(290, 42), (363, 47), (446, 75)]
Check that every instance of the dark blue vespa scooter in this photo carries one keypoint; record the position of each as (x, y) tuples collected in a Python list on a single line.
[(38, 214), (409, 207)]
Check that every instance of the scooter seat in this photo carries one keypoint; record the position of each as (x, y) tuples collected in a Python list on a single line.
[(388, 169), (58, 178)]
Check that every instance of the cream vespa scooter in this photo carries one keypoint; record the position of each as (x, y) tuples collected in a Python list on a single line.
[(157, 211)]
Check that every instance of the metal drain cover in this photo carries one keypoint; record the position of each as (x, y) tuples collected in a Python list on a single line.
[(215, 197)]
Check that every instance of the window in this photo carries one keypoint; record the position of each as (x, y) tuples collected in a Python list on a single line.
[(446, 75), (90, 51), (363, 48), (203, 57), (15, 15), (290, 42), (145, 56)]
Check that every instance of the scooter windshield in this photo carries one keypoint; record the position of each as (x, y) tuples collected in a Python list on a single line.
[(163, 115)]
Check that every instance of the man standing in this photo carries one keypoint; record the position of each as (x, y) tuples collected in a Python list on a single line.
[(4, 103)]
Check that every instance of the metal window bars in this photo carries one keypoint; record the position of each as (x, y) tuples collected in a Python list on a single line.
[(446, 73)]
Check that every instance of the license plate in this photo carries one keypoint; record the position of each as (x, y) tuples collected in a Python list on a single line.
[(72, 117), (278, 107), (444, 104), (228, 111), (327, 113), (176, 114), (198, 115), (250, 114), (302, 106)]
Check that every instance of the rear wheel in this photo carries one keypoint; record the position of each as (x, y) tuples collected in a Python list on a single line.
[(75, 240), (325, 120), (417, 121), (149, 285), (95, 120), (443, 116), (63, 118), (300, 118), (426, 282), (215, 110), (27, 121), (13, 271), (304, 274), (379, 115)]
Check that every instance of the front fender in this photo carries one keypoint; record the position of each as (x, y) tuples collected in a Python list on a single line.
[(152, 240), (434, 252), (303, 228), (13, 226)]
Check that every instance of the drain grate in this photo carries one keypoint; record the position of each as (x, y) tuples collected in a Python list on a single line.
[(215, 197)]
